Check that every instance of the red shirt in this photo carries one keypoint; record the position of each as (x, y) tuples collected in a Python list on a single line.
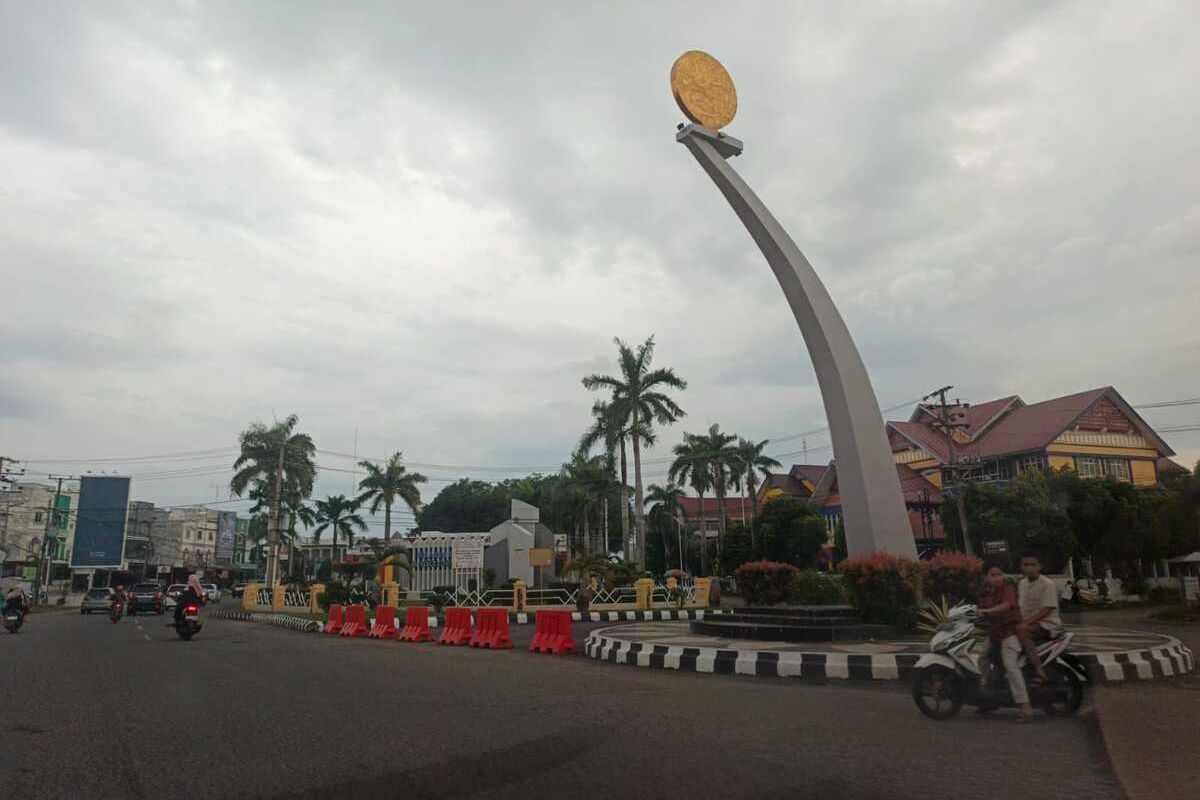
[(1004, 624)]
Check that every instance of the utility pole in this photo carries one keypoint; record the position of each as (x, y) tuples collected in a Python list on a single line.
[(274, 535), (949, 420), (43, 571)]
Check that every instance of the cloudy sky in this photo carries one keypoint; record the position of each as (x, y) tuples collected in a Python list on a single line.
[(426, 225)]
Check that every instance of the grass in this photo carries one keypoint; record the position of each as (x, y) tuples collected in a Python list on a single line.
[(53, 609)]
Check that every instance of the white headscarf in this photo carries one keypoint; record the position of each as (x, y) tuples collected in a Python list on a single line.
[(194, 583)]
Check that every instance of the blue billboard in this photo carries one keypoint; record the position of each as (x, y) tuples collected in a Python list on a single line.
[(100, 522)]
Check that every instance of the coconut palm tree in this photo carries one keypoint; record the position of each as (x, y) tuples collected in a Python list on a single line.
[(384, 485), (338, 514), (691, 464), (643, 391), (664, 503), (753, 463), (278, 460)]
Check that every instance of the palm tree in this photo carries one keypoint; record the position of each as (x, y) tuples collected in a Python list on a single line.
[(665, 503), (281, 459), (722, 461), (752, 463), (691, 465), (338, 514), (593, 478), (641, 390), (383, 485), (611, 425)]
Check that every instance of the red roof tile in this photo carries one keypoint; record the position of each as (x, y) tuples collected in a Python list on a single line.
[(1033, 426), (924, 438), (733, 507), (809, 472), (785, 483), (916, 488)]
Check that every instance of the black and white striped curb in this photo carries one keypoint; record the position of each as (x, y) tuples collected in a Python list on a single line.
[(279, 620), (1168, 660), (308, 625)]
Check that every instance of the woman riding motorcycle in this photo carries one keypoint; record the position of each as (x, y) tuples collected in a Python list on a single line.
[(193, 593)]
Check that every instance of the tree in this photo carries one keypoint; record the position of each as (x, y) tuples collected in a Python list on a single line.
[(384, 485), (612, 426), (790, 530), (338, 514), (279, 458), (643, 391), (752, 463), (593, 479), (465, 505), (691, 465), (665, 513), (723, 461)]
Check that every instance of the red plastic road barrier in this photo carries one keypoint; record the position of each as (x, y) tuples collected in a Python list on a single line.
[(335, 619), (552, 633), (492, 630), (356, 622), (385, 623), (457, 629), (416, 625)]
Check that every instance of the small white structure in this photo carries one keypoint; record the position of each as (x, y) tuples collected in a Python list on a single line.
[(445, 559)]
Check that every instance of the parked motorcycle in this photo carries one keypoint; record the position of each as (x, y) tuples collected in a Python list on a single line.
[(953, 673), (116, 611), (13, 620), (188, 623)]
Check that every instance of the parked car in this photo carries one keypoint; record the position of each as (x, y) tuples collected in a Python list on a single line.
[(96, 600), (238, 590), (212, 591), (146, 597)]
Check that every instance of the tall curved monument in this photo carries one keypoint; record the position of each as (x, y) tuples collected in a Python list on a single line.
[(872, 505)]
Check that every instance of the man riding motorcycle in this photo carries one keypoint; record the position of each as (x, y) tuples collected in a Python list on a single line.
[(999, 604), (118, 597)]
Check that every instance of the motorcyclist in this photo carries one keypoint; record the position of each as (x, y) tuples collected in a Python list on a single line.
[(119, 597), (1000, 606), (192, 593), (15, 600)]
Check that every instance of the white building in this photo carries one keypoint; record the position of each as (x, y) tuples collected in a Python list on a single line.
[(192, 533), (24, 513)]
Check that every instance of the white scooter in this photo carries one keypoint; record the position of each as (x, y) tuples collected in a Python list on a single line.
[(953, 673)]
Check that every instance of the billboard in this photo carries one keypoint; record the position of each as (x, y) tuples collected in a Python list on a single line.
[(226, 526), (100, 522)]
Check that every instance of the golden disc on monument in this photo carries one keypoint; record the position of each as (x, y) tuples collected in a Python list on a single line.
[(703, 89)]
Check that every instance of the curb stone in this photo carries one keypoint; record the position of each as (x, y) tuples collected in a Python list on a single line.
[(1159, 662)]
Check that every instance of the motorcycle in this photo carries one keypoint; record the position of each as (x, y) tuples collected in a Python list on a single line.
[(188, 623), (116, 611), (953, 673), (13, 620)]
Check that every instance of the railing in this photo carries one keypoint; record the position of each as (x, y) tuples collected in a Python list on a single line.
[(262, 597), (297, 597)]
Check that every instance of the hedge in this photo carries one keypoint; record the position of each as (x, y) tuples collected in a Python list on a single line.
[(883, 587)]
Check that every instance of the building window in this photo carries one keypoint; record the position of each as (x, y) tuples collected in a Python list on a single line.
[(1035, 461), (38, 516), (1117, 468), (1089, 467)]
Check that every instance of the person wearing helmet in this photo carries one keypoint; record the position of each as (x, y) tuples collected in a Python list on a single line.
[(119, 596)]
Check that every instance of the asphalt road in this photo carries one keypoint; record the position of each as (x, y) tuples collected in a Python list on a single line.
[(93, 710)]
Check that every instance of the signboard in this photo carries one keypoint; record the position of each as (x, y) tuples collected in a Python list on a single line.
[(468, 552), (995, 547), (541, 557), (100, 522), (62, 511), (226, 525), (432, 557), (560, 542)]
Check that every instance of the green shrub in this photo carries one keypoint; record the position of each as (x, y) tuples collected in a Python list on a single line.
[(1164, 595), (812, 588), (882, 587), (335, 594), (955, 576), (766, 583)]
